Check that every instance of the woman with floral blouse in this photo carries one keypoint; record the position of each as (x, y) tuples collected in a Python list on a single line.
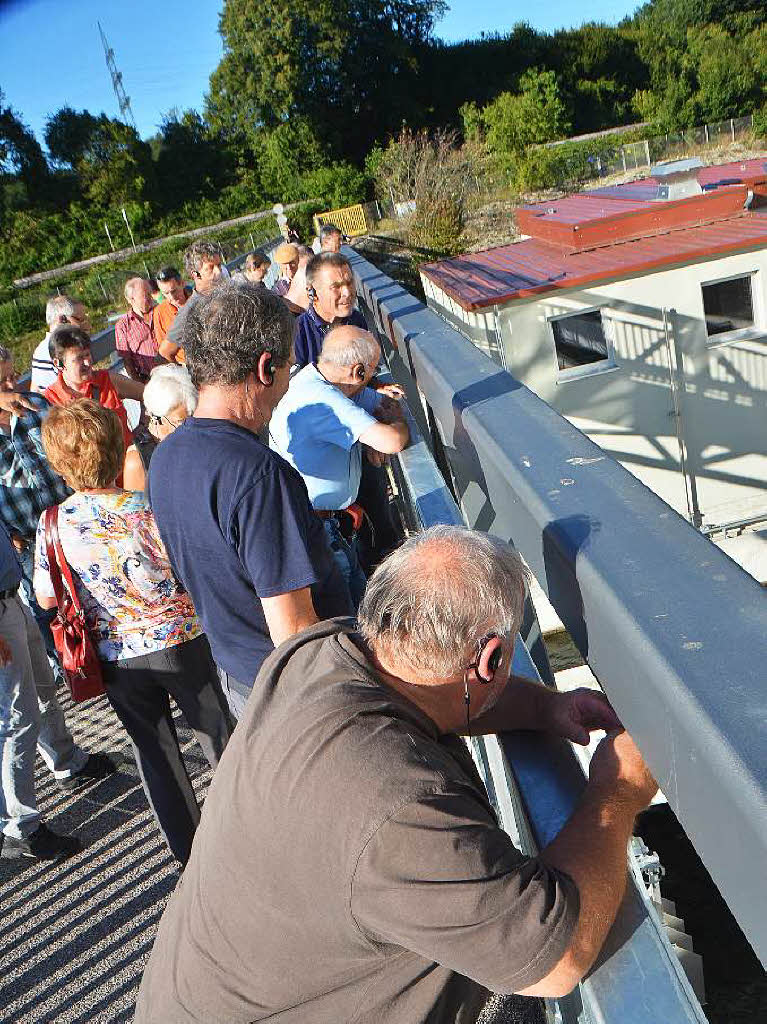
[(143, 623)]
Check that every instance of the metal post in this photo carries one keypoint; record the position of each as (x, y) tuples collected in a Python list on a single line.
[(106, 228), (127, 224), (252, 243), (647, 151), (705, 132), (623, 156), (732, 129), (103, 289)]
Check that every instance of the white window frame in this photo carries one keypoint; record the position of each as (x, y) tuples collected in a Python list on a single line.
[(756, 330), (588, 369)]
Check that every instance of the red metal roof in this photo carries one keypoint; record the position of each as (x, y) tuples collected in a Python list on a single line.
[(595, 218), (747, 171), (531, 267)]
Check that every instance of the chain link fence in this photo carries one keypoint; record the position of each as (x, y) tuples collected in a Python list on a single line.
[(634, 156)]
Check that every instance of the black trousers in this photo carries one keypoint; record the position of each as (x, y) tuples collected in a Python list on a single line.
[(138, 689)]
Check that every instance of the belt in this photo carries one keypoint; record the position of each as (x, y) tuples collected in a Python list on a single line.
[(12, 592), (355, 512)]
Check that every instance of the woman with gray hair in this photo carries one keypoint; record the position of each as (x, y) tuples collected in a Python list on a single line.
[(169, 397)]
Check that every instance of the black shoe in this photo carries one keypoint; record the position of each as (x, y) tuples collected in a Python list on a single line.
[(42, 844), (97, 767)]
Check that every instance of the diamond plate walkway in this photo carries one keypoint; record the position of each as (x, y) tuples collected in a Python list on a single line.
[(74, 937)]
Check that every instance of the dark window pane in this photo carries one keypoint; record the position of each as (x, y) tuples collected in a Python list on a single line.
[(728, 305), (580, 339)]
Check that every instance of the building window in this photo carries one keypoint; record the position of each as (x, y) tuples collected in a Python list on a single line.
[(580, 339), (728, 305)]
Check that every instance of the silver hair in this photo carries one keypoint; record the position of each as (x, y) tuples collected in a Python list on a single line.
[(432, 600), (128, 289), (228, 329), (5, 354), (58, 309), (169, 386), (362, 349)]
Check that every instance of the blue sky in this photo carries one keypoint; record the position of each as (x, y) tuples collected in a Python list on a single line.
[(51, 53)]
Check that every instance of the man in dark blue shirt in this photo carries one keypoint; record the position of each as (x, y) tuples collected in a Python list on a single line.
[(234, 516), (330, 284)]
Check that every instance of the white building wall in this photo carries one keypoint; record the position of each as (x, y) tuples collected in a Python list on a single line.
[(628, 407)]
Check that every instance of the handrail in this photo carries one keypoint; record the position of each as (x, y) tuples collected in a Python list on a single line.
[(674, 630), (534, 783)]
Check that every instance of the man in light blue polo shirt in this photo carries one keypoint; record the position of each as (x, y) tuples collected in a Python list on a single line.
[(320, 426)]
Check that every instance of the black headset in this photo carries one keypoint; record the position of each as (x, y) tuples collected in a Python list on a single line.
[(267, 371), (359, 372)]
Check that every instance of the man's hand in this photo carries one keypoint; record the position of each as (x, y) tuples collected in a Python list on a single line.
[(391, 390), (618, 765), (388, 410), (15, 402), (580, 712), (6, 655)]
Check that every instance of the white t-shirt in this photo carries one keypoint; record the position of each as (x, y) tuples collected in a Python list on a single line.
[(316, 428), (43, 372)]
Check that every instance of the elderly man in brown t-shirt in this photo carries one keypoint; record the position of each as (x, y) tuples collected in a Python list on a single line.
[(349, 865)]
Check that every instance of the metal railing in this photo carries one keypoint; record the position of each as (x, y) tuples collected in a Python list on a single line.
[(352, 220), (642, 593)]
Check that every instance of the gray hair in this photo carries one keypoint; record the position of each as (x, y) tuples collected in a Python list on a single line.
[(328, 230), (129, 285), (59, 308), (321, 260), (228, 330), (362, 349), (5, 354), (439, 594), (199, 253), (169, 386)]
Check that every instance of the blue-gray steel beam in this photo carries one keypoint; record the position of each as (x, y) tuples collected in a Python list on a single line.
[(534, 783), (674, 630)]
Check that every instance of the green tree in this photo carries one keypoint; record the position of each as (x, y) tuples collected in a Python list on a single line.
[(536, 114), (349, 68)]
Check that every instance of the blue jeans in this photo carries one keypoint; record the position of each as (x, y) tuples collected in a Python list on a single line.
[(30, 719), (43, 618), (346, 558)]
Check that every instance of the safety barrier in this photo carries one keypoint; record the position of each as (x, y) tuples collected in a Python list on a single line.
[(351, 220), (675, 632), (534, 784)]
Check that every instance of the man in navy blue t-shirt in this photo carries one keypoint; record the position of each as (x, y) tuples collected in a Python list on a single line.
[(234, 516), (331, 287)]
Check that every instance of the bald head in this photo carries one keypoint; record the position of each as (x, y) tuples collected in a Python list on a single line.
[(347, 346), (439, 594), (138, 295)]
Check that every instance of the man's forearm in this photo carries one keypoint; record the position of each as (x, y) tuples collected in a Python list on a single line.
[(592, 850)]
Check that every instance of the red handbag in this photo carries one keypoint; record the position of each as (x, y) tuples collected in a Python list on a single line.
[(77, 651)]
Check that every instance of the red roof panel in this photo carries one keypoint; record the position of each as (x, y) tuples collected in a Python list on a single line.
[(532, 267), (746, 171)]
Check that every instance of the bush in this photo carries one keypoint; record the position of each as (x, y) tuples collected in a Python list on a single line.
[(436, 173)]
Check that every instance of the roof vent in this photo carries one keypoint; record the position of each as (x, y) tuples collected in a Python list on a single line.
[(677, 179)]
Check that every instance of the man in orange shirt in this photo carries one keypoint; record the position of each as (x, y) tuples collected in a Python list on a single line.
[(175, 294)]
